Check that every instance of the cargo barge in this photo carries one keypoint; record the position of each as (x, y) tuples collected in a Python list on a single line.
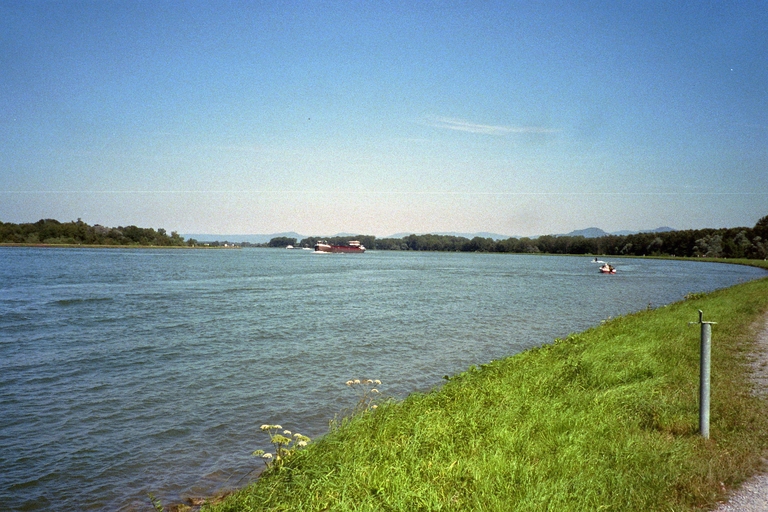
[(352, 246)]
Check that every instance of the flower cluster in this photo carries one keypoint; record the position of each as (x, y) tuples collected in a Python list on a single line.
[(366, 391), (285, 444)]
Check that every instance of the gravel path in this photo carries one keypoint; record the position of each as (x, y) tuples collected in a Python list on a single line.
[(752, 496)]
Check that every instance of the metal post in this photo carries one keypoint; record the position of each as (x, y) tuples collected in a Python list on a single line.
[(704, 374)]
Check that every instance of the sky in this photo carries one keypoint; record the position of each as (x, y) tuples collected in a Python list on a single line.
[(519, 118)]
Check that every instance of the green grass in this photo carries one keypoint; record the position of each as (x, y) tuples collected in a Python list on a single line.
[(603, 420)]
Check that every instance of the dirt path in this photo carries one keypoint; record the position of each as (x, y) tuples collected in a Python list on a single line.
[(752, 496)]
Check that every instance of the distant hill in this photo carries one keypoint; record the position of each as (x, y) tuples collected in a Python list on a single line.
[(597, 232), (663, 229), (494, 236), (253, 239), (587, 233)]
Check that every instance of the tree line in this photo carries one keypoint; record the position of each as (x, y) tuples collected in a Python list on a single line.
[(53, 232), (741, 242)]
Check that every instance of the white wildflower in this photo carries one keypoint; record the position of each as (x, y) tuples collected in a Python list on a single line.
[(287, 432), (266, 456), (264, 427), (377, 382)]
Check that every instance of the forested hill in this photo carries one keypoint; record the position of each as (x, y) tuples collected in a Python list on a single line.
[(741, 242), (50, 231)]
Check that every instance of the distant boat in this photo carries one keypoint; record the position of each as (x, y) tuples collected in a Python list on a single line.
[(607, 269), (352, 246), (289, 247)]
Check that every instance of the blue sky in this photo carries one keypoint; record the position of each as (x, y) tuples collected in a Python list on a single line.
[(519, 118)]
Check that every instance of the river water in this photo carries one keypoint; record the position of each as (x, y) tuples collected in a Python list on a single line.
[(125, 372)]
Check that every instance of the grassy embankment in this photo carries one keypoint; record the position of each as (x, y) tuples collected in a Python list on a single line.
[(602, 420)]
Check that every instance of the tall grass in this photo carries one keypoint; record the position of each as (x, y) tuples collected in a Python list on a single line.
[(602, 420)]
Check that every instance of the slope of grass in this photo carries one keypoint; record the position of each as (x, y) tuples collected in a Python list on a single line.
[(602, 420)]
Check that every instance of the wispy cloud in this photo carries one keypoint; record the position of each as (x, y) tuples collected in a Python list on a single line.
[(462, 125)]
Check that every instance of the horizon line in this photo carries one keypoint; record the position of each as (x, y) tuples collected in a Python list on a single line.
[(453, 193)]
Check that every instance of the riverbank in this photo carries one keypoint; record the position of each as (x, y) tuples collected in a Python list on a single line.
[(606, 418)]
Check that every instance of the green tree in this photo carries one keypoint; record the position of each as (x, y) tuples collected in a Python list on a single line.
[(761, 228), (281, 241), (710, 246)]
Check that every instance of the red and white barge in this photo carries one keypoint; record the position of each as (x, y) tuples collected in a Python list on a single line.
[(352, 246)]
